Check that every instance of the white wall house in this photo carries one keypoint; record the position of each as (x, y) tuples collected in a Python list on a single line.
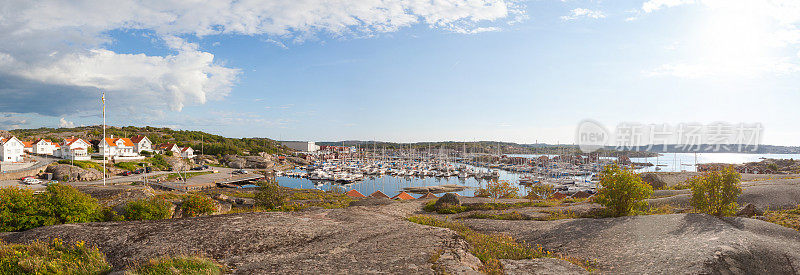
[(170, 147), (45, 147), (142, 143), (28, 147), (11, 150), (73, 148), (303, 146), (187, 152), (117, 147)]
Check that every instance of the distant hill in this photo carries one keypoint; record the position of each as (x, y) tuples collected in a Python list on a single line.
[(210, 144), (713, 148)]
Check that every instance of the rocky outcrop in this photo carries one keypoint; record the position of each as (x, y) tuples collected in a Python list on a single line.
[(664, 244), (354, 240), (541, 266), (448, 200), (774, 194), (66, 171), (248, 162)]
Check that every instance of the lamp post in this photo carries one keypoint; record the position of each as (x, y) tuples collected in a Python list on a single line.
[(104, 137)]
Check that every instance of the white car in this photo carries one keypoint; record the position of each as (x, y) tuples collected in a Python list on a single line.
[(30, 181)]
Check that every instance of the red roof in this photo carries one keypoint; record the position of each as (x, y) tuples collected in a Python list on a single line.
[(185, 148), (355, 194), (113, 141), (70, 141), (27, 144), (137, 138), (166, 146), (403, 196), (558, 196), (378, 194)]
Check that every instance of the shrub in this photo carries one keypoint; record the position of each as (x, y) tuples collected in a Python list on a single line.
[(168, 153), (498, 190), (146, 153), (19, 210), (22, 210), (622, 191), (66, 204), (84, 164), (179, 265), (148, 209), (270, 196), (52, 257), (195, 205), (715, 192), (130, 166)]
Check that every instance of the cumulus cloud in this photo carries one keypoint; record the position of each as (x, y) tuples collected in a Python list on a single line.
[(59, 49), (583, 13), (63, 123), (654, 5)]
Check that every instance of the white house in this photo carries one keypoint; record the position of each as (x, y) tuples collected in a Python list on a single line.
[(45, 147), (169, 147), (28, 147), (187, 152), (117, 147), (141, 143), (74, 148), (303, 146), (11, 149)]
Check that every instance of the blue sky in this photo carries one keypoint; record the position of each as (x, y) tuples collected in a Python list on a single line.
[(531, 71)]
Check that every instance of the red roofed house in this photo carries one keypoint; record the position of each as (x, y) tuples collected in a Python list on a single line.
[(187, 152), (28, 147), (45, 147), (403, 196), (141, 143), (378, 194), (429, 195), (164, 147), (117, 147), (73, 148), (355, 194)]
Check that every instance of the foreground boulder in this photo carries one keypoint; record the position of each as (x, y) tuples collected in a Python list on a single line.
[(354, 240), (664, 244), (446, 201)]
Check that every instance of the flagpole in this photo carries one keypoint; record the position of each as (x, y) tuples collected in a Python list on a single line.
[(104, 137)]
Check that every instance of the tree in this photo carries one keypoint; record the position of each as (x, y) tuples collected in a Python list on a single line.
[(715, 192), (498, 190), (540, 192), (622, 191), (270, 195)]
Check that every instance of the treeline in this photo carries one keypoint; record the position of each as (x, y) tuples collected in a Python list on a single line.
[(201, 142)]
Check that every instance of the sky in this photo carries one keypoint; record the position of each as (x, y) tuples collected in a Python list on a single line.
[(401, 70)]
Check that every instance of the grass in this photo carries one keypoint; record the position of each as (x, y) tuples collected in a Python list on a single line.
[(173, 176), (130, 166), (84, 164), (52, 257), (787, 218), (178, 265), (502, 216), (491, 248)]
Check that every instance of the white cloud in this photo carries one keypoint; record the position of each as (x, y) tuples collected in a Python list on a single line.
[(63, 123), (583, 13), (10, 121), (654, 5), (64, 44)]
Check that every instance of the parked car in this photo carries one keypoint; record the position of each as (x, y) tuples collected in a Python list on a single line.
[(138, 171), (198, 168), (126, 173), (240, 171), (31, 181), (148, 169)]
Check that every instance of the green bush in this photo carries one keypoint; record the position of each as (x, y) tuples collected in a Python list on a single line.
[(271, 196), (22, 210), (195, 205), (66, 204), (148, 209), (715, 192), (168, 153), (52, 257), (19, 210), (159, 162), (179, 265), (622, 191)]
